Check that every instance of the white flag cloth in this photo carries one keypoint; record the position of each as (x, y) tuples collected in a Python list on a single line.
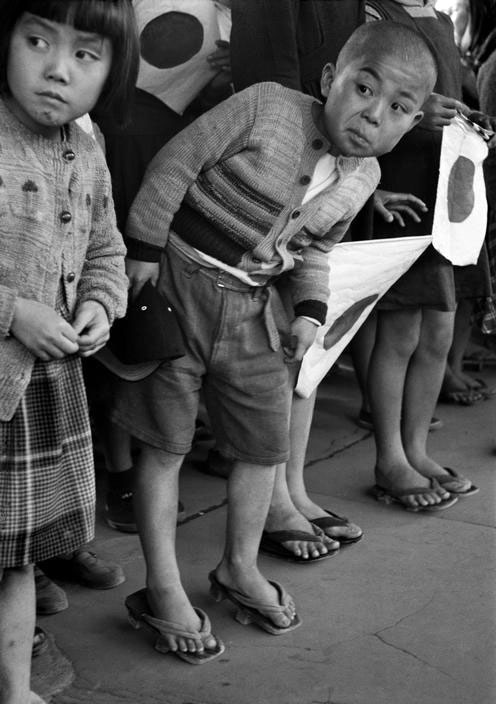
[(360, 273), (460, 215), (176, 36)]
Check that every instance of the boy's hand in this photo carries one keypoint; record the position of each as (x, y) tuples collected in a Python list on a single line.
[(139, 273), (42, 330), (220, 59), (91, 324), (300, 338), (486, 121), (391, 206), (439, 110)]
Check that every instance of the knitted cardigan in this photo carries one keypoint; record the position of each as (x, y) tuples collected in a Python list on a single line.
[(234, 181), (57, 228)]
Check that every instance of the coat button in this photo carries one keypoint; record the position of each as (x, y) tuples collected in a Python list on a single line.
[(317, 144), (305, 180), (65, 216), (69, 155), (70, 277), (295, 214)]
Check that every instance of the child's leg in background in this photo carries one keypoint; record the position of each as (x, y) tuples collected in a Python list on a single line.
[(422, 386), (361, 348), (398, 337), (17, 621)]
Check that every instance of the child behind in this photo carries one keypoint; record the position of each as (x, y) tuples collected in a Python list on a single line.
[(234, 202), (62, 283)]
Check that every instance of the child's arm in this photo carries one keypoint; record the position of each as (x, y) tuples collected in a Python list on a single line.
[(391, 206), (439, 110), (213, 137), (103, 280), (43, 331)]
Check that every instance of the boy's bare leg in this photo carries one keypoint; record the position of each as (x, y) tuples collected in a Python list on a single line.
[(361, 348), (423, 383), (291, 508), (155, 497), (398, 335), (17, 621), (248, 496)]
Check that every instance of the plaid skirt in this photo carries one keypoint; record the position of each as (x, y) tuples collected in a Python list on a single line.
[(47, 481)]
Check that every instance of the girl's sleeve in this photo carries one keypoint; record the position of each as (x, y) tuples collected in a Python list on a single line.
[(213, 137), (8, 298), (103, 277)]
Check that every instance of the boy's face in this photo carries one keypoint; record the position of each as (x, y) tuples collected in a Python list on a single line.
[(371, 103), (55, 72)]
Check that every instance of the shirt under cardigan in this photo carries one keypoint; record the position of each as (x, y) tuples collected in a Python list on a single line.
[(232, 183)]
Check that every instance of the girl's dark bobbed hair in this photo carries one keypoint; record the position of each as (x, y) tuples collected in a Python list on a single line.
[(113, 19)]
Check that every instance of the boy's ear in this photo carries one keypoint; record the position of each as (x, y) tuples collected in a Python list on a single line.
[(418, 117), (328, 74)]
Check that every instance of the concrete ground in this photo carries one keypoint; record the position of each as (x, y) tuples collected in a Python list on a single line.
[(406, 616)]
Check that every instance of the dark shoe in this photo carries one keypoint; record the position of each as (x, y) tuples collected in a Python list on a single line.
[(85, 568), (40, 642), (119, 511), (364, 420), (50, 598)]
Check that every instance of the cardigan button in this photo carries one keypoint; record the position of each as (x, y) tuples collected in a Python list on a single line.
[(317, 144), (65, 216), (305, 180), (295, 214), (69, 155), (70, 277)]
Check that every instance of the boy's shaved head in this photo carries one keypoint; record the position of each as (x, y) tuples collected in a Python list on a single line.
[(392, 41)]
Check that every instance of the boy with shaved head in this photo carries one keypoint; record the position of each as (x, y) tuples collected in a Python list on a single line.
[(260, 187)]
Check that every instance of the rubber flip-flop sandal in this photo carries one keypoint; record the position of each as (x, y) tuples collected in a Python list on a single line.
[(389, 496), (333, 520), (257, 612), (271, 544), (138, 615), (453, 477)]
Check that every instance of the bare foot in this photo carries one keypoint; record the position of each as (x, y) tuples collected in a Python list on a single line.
[(311, 510), (172, 604), (250, 582), (405, 477), (294, 520), (427, 467)]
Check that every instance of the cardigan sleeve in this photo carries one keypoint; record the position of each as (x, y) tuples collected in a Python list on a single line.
[(7, 304), (103, 278), (216, 135)]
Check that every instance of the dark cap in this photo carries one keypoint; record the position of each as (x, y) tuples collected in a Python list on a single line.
[(148, 335)]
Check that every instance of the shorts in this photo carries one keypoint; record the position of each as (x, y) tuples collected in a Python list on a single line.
[(246, 383)]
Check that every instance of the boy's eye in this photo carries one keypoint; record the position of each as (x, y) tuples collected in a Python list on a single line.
[(364, 90), (397, 107)]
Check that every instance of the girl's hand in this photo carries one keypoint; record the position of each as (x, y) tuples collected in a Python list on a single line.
[(301, 337), (391, 206), (42, 330), (91, 324), (139, 273), (439, 110)]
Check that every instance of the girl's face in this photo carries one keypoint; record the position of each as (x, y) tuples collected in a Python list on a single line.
[(55, 72)]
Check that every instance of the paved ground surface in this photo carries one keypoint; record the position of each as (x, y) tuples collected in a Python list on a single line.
[(404, 617)]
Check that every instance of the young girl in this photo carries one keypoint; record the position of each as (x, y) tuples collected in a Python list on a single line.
[(62, 283)]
